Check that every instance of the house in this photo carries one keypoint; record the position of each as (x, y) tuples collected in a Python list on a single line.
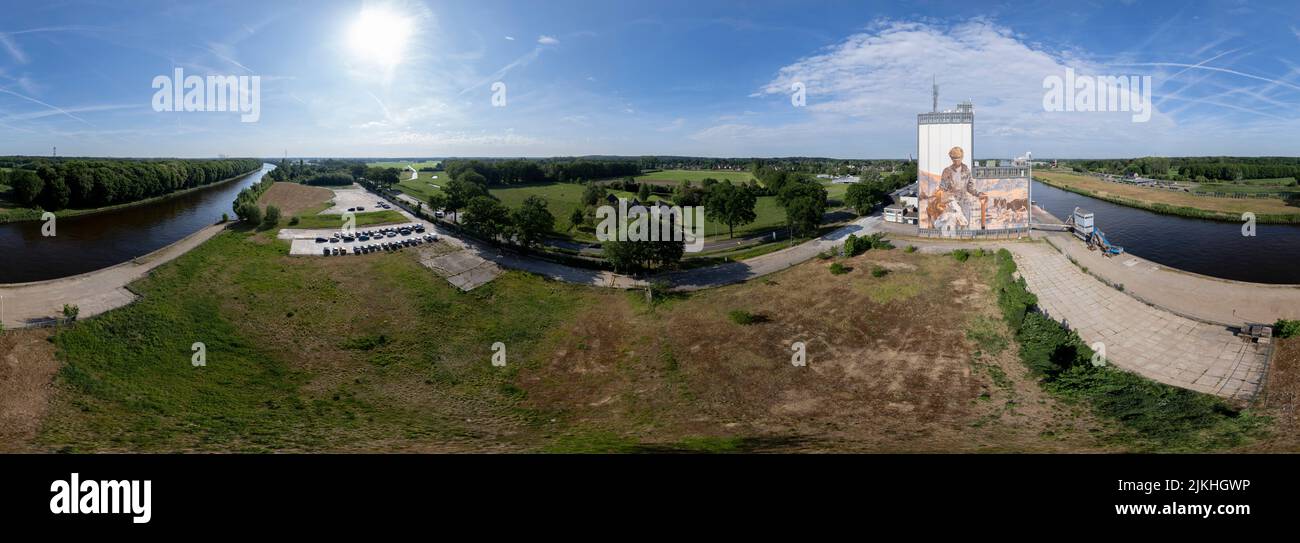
[(894, 213)]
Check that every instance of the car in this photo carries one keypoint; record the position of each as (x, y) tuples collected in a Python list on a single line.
[(361, 208), (349, 239), (321, 240), (439, 214), (363, 237), (352, 209), (334, 240), (326, 251), (392, 234)]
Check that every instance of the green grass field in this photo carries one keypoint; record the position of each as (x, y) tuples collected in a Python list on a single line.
[(336, 221), (1248, 186), (419, 187), (376, 353), (402, 165)]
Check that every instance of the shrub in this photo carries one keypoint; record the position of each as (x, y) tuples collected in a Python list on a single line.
[(961, 255), (271, 218), (838, 269), (742, 317), (70, 312), (910, 249), (1284, 328), (293, 221), (878, 241), (877, 271), (225, 217)]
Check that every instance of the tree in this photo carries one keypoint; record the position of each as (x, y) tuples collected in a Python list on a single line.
[(804, 201), (249, 212), (460, 192), (730, 205), (487, 217), (532, 221), (643, 193), (577, 218), (27, 186), (593, 195), (438, 201), (57, 194), (865, 196), (642, 255), (272, 217)]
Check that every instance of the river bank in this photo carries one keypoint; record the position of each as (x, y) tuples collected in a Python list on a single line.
[(1166, 202), (16, 215)]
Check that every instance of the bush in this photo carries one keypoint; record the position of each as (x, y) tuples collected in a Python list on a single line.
[(1284, 328), (70, 312), (272, 217), (838, 269), (742, 317), (877, 271), (910, 249), (961, 255), (225, 217), (293, 221), (878, 241)]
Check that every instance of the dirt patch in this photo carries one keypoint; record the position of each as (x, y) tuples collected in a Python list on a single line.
[(27, 368), (898, 373), (293, 198), (1281, 398)]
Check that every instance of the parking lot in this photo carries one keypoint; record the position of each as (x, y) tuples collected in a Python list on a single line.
[(363, 240), (355, 199)]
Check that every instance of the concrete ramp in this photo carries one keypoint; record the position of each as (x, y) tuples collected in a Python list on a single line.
[(463, 269)]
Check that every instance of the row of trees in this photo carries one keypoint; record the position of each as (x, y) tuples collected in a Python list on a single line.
[(521, 171), (83, 184), (1196, 168)]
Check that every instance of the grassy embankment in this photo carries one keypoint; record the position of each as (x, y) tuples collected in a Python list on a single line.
[(1266, 210), (1152, 416)]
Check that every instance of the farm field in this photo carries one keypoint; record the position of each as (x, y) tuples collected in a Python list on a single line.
[(403, 164), (1177, 203)]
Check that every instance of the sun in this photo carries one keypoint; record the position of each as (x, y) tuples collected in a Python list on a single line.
[(379, 35)]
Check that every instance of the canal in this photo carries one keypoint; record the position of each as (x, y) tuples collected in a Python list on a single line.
[(91, 242), (1213, 248)]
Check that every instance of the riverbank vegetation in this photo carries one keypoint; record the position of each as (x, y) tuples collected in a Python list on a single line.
[(1172, 202), (56, 184)]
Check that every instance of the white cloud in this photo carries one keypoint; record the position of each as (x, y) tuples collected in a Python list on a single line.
[(870, 85), (547, 40), (511, 38)]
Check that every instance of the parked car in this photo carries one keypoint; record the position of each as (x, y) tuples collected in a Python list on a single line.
[(326, 251), (321, 240)]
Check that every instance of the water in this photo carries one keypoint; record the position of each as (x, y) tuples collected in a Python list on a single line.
[(100, 240), (1206, 247)]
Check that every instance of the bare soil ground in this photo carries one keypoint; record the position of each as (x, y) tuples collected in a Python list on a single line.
[(891, 366), (27, 367), (294, 198), (1281, 398)]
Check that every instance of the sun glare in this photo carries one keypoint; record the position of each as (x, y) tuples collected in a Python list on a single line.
[(379, 35)]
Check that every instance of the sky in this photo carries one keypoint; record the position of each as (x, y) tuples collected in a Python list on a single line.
[(407, 78)]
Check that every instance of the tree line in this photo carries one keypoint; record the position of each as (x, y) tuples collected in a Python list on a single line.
[(55, 184), (1195, 168)]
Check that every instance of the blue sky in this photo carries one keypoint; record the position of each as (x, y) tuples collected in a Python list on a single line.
[(664, 77)]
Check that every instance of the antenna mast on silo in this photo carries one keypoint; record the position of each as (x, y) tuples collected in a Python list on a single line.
[(935, 82)]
